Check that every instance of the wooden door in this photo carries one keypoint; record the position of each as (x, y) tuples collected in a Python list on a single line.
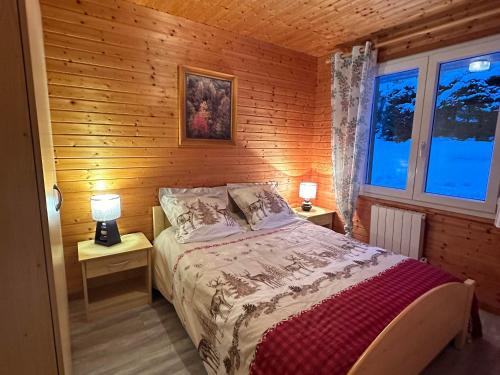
[(50, 198), (27, 344)]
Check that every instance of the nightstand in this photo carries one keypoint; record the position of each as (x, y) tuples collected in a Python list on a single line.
[(317, 215), (118, 277)]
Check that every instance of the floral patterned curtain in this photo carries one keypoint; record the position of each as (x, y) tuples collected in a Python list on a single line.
[(352, 88)]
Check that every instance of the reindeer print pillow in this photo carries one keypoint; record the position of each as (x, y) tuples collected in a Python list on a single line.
[(263, 207), (199, 217), (232, 206)]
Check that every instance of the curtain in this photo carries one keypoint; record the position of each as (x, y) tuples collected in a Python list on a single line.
[(351, 94)]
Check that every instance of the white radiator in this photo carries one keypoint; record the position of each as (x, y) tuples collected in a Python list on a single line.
[(400, 231)]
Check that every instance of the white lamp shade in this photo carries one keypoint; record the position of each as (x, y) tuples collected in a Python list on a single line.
[(105, 207), (307, 190)]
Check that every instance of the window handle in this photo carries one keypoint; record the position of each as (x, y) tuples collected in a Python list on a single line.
[(423, 148)]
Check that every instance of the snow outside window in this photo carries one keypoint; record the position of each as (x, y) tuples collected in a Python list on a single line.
[(434, 122)]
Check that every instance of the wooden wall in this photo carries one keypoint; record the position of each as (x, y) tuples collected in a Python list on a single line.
[(455, 22), (465, 246), (112, 70)]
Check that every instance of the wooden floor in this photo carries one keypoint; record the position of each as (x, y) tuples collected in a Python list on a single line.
[(145, 340), (151, 340)]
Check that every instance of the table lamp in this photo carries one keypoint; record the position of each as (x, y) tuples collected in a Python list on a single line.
[(105, 210), (307, 190)]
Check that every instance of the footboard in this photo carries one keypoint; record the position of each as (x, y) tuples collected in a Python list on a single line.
[(419, 332)]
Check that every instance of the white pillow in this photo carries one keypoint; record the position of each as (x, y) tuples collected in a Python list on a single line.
[(263, 207), (199, 217)]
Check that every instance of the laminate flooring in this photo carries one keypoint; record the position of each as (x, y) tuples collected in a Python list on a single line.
[(151, 340)]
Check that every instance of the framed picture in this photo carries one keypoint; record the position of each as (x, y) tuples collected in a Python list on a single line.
[(207, 107)]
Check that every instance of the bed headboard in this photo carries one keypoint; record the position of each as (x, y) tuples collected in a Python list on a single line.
[(160, 221)]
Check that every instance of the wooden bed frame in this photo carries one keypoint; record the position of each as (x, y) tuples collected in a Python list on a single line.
[(416, 336)]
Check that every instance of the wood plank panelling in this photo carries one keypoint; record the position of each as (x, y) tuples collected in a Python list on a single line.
[(453, 23), (457, 24), (319, 26), (112, 69), (465, 246)]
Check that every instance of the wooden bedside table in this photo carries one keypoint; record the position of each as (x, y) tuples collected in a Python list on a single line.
[(317, 215), (118, 277)]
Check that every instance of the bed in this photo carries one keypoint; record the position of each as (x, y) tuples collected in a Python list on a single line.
[(304, 299)]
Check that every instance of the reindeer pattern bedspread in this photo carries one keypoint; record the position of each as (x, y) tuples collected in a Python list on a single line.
[(229, 292)]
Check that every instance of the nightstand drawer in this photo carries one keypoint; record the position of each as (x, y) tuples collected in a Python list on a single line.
[(322, 220), (116, 263), (317, 215)]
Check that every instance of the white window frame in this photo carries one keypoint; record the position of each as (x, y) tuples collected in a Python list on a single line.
[(390, 68), (422, 130)]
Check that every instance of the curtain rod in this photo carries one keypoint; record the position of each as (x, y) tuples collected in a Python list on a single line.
[(347, 53), (484, 14)]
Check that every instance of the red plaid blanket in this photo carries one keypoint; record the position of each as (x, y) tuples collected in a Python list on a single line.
[(329, 338)]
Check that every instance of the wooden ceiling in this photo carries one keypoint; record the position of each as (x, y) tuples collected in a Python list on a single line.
[(316, 27)]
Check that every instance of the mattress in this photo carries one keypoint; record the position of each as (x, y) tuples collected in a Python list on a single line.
[(236, 295)]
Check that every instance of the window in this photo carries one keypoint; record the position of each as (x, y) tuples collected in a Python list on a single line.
[(463, 132), (434, 121), (392, 124)]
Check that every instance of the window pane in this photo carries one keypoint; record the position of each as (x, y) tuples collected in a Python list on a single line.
[(392, 124), (463, 132)]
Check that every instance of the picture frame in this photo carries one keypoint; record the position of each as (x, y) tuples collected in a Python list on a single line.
[(207, 107)]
